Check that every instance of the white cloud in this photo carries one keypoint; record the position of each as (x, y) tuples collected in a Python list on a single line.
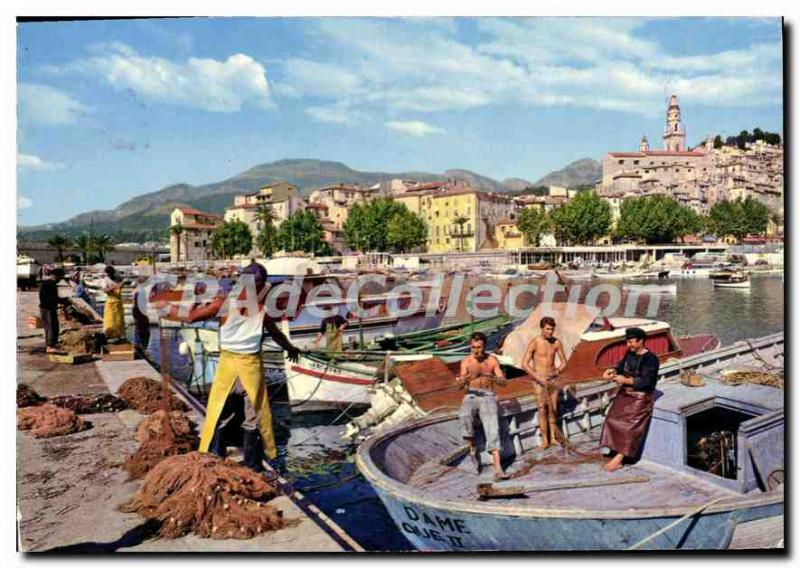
[(206, 84), (413, 127), (389, 67), (330, 114), (23, 202), (34, 162), (41, 104)]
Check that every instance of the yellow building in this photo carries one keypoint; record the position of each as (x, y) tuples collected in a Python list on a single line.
[(443, 204), (508, 236)]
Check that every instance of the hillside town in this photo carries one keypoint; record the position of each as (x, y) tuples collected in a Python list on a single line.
[(461, 218)]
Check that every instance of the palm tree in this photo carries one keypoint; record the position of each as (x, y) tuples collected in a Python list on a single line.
[(177, 230), (460, 221), (102, 244), (59, 242), (84, 244), (265, 220)]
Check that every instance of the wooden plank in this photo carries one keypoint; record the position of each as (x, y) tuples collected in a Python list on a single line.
[(490, 491), (761, 533)]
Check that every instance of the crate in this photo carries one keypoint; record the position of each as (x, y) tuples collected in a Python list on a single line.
[(119, 352), (35, 322), (70, 358)]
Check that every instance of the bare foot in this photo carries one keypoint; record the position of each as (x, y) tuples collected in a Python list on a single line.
[(614, 464), (501, 475), (545, 444)]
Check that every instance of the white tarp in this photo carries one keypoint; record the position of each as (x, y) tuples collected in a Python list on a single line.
[(571, 321)]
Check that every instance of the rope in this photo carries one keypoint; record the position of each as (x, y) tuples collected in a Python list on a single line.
[(674, 523)]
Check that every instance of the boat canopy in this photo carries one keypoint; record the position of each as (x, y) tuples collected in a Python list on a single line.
[(572, 320)]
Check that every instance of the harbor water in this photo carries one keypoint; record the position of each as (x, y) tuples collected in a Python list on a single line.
[(319, 464)]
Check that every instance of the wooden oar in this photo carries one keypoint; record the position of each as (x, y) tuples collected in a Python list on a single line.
[(490, 491), (454, 455)]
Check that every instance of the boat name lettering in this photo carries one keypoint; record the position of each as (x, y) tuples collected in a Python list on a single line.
[(440, 524)]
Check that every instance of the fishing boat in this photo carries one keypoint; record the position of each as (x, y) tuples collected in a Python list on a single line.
[(712, 466), (645, 288), (319, 380), (591, 343), (730, 278), (27, 271)]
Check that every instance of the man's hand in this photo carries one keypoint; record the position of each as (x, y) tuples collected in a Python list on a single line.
[(610, 374), (293, 353)]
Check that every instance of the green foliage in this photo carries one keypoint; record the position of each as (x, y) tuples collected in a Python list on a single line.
[(744, 137), (582, 220), (59, 242), (232, 238), (302, 231), (84, 244), (267, 239), (406, 231), (717, 142), (533, 223), (738, 218), (101, 244), (366, 228), (539, 190), (656, 219)]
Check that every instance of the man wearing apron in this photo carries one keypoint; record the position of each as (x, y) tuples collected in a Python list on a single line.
[(240, 369), (332, 329)]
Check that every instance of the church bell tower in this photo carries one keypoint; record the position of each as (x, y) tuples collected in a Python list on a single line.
[(674, 135)]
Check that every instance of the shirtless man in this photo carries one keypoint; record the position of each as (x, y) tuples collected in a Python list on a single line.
[(540, 363), (479, 373)]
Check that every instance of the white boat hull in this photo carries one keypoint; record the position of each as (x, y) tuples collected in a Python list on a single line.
[(724, 284)]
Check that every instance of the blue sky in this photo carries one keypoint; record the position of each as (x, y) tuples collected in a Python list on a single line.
[(112, 109)]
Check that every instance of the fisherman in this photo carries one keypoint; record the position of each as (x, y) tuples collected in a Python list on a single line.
[(48, 304), (540, 363), (629, 416), (113, 312), (480, 371), (240, 368), (332, 329)]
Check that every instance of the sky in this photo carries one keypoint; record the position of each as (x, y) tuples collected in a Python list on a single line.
[(111, 109)]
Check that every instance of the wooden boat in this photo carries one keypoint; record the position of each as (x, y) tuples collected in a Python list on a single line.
[(730, 278), (27, 271), (592, 343), (320, 380), (561, 500), (644, 288)]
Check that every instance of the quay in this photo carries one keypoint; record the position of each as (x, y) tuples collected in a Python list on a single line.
[(68, 487)]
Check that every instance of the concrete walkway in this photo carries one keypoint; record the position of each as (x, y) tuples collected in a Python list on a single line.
[(68, 487)]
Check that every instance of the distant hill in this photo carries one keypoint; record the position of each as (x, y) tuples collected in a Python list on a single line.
[(585, 171), (146, 216)]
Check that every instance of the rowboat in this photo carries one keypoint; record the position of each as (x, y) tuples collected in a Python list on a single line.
[(651, 288), (686, 491), (730, 279)]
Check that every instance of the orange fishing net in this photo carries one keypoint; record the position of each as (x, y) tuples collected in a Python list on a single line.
[(160, 435), (26, 396), (147, 395), (48, 420), (202, 494)]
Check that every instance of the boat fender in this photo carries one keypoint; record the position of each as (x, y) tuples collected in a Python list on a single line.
[(183, 348)]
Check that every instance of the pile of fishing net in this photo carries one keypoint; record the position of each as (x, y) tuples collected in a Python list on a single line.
[(160, 435), (147, 395), (48, 420), (735, 378), (89, 403), (26, 396), (202, 494), (83, 340)]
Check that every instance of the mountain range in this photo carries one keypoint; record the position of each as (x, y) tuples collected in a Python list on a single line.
[(149, 213)]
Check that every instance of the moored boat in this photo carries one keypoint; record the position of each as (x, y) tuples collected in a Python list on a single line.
[(730, 278), (688, 490)]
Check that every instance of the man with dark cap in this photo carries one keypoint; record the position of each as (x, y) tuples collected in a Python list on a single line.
[(49, 301), (243, 321), (629, 416)]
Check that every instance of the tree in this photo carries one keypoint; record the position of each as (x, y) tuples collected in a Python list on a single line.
[(460, 221), (266, 240), (738, 218), (367, 224), (656, 219), (232, 238), (742, 139), (101, 244), (405, 231), (533, 222), (582, 220), (302, 231), (717, 142), (59, 242), (177, 230), (84, 244), (755, 216)]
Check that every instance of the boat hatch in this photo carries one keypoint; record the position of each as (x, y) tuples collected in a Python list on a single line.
[(711, 440)]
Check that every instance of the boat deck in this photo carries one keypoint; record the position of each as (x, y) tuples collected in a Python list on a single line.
[(663, 489)]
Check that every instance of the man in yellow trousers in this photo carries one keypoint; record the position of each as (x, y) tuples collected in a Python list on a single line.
[(242, 327)]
